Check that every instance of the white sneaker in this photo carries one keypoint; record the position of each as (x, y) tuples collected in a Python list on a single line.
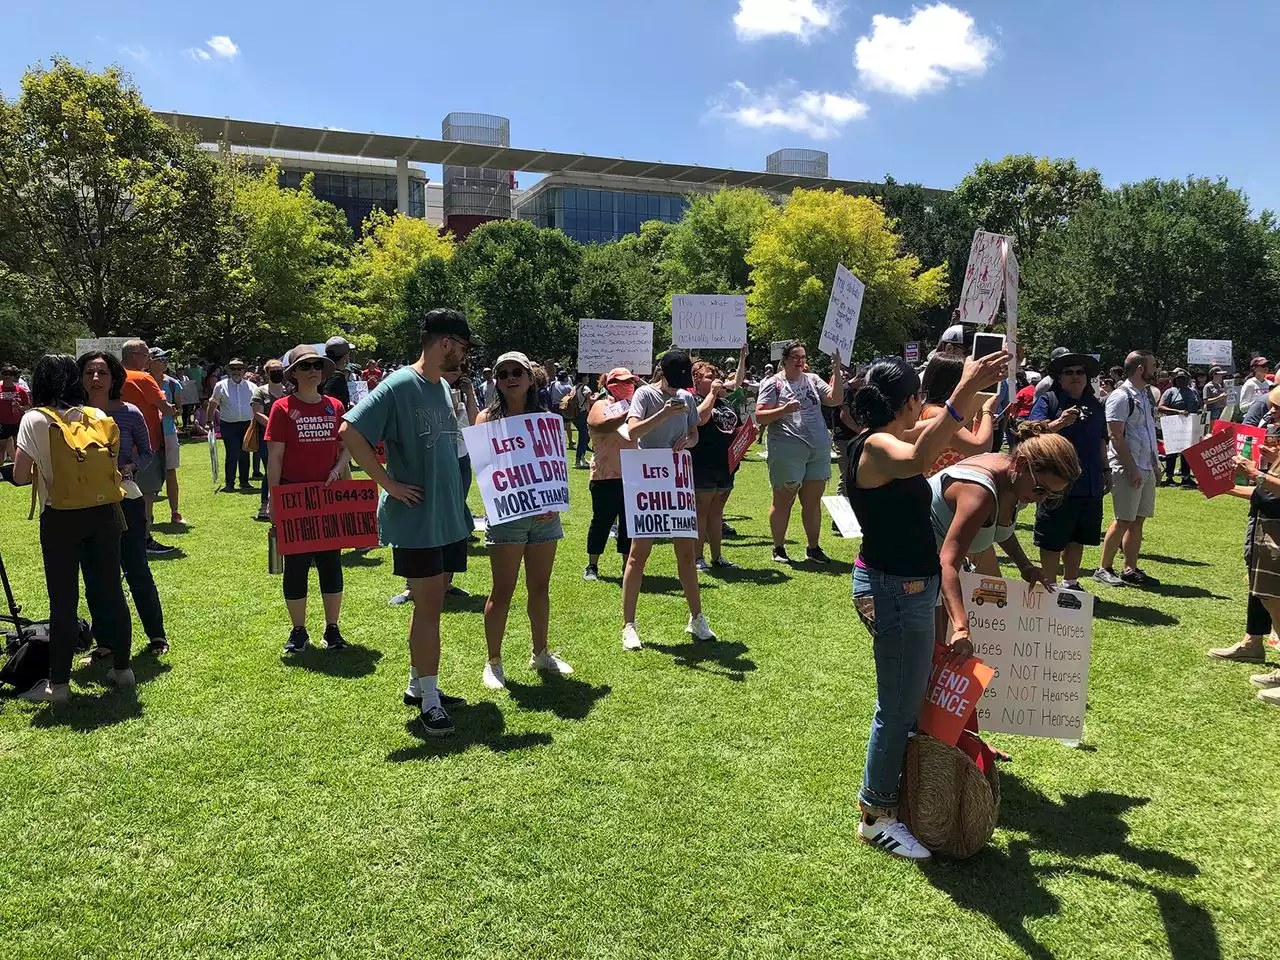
[(121, 678), (891, 834), (1266, 680), (631, 638), (548, 662), (493, 676), (1072, 585), (699, 628)]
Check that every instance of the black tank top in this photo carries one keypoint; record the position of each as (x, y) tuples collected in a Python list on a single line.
[(897, 530)]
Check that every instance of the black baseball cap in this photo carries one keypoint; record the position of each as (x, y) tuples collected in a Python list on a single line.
[(443, 322), (677, 369)]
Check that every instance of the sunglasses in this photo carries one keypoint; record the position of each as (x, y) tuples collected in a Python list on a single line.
[(510, 373), (304, 365), (1073, 372), (1050, 496)]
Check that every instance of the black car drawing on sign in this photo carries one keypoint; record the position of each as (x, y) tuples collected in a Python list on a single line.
[(1068, 601)]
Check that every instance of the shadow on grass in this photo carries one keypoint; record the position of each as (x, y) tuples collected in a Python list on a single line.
[(1108, 609), (174, 529), (1180, 591), (660, 584), (762, 575), (361, 558), (472, 604), (176, 554), (719, 658), (351, 662), (1009, 889), (1174, 561), (567, 698), (481, 724), (835, 568), (104, 707)]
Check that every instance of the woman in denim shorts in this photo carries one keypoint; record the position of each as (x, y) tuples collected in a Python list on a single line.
[(529, 540)]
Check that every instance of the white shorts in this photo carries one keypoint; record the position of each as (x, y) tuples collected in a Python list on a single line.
[(1132, 502), (171, 450)]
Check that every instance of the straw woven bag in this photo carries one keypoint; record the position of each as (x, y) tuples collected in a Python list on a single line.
[(947, 802)]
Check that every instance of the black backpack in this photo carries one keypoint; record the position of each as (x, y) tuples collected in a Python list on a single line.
[(27, 665)]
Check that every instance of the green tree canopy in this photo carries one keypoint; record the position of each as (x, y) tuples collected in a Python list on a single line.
[(706, 252), (794, 261)]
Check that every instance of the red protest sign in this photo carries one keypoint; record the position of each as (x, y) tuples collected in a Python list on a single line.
[(742, 441), (1242, 433), (1212, 462), (952, 696), (310, 517)]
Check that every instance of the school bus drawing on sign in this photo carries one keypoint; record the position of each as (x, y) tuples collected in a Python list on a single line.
[(991, 591)]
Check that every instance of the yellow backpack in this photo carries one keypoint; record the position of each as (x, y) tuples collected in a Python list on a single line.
[(83, 455)]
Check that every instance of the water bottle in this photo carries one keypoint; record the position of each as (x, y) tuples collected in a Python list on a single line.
[(1247, 453), (275, 562)]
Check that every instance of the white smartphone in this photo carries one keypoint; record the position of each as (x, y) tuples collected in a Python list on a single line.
[(987, 343)]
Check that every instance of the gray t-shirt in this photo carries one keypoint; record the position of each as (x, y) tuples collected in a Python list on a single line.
[(806, 426), (1132, 407), (647, 401)]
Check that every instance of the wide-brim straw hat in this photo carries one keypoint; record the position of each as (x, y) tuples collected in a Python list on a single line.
[(947, 802), (304, 351)]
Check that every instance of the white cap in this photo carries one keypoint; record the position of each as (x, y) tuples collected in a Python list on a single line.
[(953, 334)]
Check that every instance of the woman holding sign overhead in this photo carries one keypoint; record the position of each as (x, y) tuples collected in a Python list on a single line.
[(303, 447), (790, 405), (895, 579), (528, 540)]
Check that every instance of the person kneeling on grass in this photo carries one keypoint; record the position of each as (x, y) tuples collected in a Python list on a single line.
[(664, 416), (896, 576), (799, 445), (718, 424), (529, 540), (303, 447)]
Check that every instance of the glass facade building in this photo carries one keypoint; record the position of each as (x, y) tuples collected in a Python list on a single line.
[(597, 216), (356, 195)]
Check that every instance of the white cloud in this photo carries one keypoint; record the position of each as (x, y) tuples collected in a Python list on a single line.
[(222, 46), (804, 19), (219, 46), (923, 53), (820, 115), (136, 52)]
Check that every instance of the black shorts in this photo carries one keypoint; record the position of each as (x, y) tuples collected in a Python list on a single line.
[(1075, 520), (8, 431), (711, 480), (415, 563)]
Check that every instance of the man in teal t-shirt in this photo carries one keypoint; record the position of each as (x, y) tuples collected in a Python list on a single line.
[(422, 514)]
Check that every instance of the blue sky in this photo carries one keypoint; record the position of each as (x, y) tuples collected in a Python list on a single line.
[(1135, 88)]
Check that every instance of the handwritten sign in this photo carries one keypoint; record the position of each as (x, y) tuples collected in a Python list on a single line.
[(1012, 276), (1210, 352), (841, 325), (1179, 432), (775, 349), (605, 344), (911, 352), (658, 487), (111, 345), (952, 695), (357, 390), (520, 466), (1039, 646), (983, 278), (1213, 462), (709, 322), (842, 515), (310, 517)]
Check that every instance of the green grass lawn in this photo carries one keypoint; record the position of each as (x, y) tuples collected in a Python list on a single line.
[(685, 801)]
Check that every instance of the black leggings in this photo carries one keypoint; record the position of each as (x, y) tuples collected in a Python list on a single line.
[(297, 566), (137, 570), (88, 540), (607, 505)]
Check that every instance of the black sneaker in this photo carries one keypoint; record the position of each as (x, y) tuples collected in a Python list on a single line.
[(436, 722), (457, 592), (410, 700), (333, 638), (1134, 577), (727, 531), (590, 573), (816, 555), (157, 549), (780, 555), (297, 642)]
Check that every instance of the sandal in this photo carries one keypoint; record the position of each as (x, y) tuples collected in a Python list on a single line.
[(158, 646), (96, 655)]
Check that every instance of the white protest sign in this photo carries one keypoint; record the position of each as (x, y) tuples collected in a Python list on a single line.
[(775, 349), (1039, 645), (605, 344), (1012, 275), (520, 465), (911, 352), (111, 345), (1233, 391), (358, 390), (841, 325), (1180, 432), (658, 487), (717, 322), (983, 278), (1209, 352), (842, 515)]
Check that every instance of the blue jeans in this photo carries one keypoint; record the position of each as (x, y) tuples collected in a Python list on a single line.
[(903, 646)]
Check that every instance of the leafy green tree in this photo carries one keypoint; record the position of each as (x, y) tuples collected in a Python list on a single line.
[(101, 203), (794, 263), (706, 252), (519, 284), (1024, 197), (1152, 264), (433, 283), (937, 229), (623, 280)]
